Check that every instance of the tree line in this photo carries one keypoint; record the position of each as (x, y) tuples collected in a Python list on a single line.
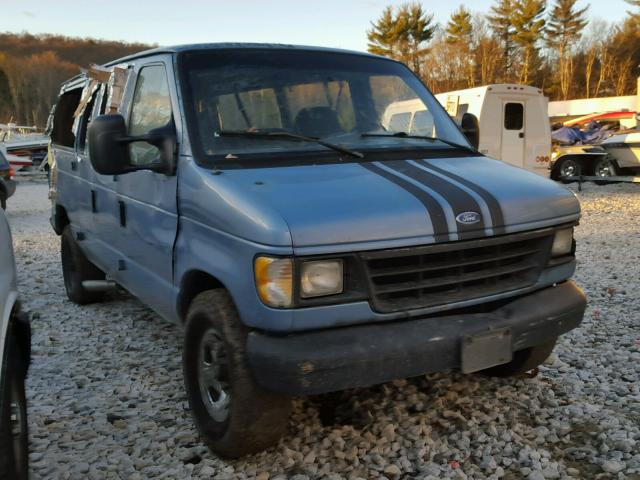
[(551, 45), (32, 68)]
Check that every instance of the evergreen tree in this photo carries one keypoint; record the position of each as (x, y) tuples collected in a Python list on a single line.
[(634, 16), (402, 34), (460, 27), (564, 29), (501, 22), (383, 36), (529, 25), (459, 35)]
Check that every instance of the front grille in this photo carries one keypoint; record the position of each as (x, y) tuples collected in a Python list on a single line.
[(422, 277)]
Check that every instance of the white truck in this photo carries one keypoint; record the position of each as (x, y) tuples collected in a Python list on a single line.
[(513, 121)]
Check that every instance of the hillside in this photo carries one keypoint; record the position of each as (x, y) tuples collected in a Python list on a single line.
[(32, 67)]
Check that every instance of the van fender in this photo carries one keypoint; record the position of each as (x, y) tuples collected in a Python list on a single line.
[(206, 258), (59, 218)]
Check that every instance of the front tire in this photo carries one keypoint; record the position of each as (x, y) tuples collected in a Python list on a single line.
[(234, 416), (76, 268), (14, 435), (523, 361)]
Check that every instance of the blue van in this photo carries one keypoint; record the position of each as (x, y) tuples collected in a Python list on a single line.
[(252, 194)]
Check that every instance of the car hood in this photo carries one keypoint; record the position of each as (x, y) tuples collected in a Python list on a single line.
[(406, 201)]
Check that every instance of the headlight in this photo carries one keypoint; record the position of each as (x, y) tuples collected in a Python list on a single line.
[(562, 243), (320, 278), (274, 281)]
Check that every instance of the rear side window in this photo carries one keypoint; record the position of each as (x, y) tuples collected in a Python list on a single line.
[(85, 120), (513, 116), (62, 132), (151, 109)]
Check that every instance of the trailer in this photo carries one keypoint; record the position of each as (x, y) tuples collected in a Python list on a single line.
[(513, 122)]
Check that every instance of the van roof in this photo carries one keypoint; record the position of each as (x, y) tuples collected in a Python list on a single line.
[(233, 46), (497, 88), (194, 47)]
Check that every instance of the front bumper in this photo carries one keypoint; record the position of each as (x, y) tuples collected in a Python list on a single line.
[(359, 356)]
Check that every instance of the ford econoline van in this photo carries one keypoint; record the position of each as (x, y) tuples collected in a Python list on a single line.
[(256, 195)]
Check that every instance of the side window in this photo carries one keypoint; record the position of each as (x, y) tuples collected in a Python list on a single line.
[(85, 120), (150, 109), (62, 130), (513, 116)]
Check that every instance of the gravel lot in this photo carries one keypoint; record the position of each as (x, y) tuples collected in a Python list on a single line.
[(106, 397)]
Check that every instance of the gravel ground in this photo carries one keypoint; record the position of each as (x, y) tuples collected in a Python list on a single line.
[(106, 397)]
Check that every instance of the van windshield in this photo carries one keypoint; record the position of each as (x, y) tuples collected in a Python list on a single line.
[(334, 97)]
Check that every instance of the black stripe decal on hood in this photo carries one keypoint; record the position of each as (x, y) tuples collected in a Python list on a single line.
[(459, 200), (497, 217), (434, 209)]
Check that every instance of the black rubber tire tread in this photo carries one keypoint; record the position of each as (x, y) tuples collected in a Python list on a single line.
[(558, 168), (76, 268), (13, 374), (612, 166), (257, 418), (523, 361)]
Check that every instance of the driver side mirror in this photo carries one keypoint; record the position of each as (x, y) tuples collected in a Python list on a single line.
[(109, 146), (471, 129)]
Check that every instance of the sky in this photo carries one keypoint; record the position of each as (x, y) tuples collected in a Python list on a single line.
[(330, 23)]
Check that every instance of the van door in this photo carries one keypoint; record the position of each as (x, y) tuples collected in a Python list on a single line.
[(147, 201), (513, 128), (99, 193)]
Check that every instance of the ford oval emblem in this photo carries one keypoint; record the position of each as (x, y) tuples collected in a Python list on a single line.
[(468, 218)]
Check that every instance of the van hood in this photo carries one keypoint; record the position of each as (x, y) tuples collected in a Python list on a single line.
[(406, 201)]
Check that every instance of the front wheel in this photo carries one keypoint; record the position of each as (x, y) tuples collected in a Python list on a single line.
[(523, 361), (14, 449), (234, 416)]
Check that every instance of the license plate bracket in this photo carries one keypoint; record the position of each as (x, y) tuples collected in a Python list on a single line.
[(485, 349)]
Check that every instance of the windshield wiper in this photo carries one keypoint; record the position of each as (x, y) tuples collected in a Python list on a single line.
[(287, 136), (419, 137)]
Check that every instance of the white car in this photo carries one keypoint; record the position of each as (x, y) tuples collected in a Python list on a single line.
[(15, 353)]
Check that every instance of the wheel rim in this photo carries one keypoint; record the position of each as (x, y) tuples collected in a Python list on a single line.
[(604, 170), (569, 168), (18, 433), (213, 376)]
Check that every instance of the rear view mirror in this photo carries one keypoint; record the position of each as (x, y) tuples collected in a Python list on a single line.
[(109, 146), (471, 129)]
